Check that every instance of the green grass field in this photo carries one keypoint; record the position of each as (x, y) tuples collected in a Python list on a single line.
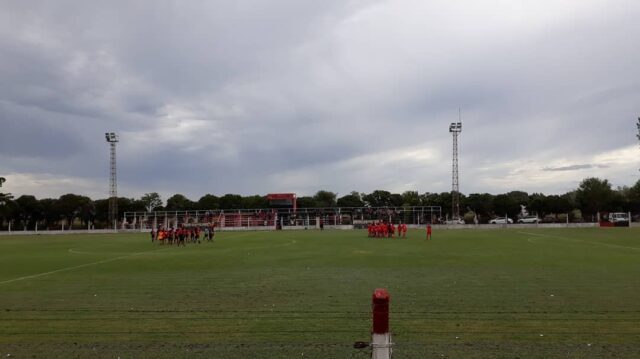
[(530, 293)]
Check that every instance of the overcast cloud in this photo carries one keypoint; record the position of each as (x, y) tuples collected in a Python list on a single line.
[(252, 97)]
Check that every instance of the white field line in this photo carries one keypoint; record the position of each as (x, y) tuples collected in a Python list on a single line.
[(577, 240), (75, 251), (76, 267)]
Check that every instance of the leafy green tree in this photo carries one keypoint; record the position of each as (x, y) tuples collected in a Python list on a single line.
[(481, 203), (519, 197), (208, 201), (70, 206), (353, 199), (505, 204), (306, 202), (396, 200), (255, 202), (556, 204), (102, 210), (633, 196), (231, 201), (443, 200), (410, 198), (29, 209), (594, 195), (9, 209), (378, 198), (151, 201), (324, 198), (537, 202), (179, 202)]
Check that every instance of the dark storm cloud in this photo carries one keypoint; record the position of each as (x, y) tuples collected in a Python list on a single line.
[(258, 96)]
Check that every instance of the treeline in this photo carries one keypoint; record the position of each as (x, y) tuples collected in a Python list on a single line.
[(593, 195)]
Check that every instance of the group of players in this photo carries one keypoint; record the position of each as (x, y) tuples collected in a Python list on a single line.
[(389, 230), (182, 235), (386, 230)]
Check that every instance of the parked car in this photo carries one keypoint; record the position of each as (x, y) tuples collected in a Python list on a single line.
[(529, 219), (501, 220), (618, 217)]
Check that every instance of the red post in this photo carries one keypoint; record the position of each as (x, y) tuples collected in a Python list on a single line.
[(380, 311), (380, 336)]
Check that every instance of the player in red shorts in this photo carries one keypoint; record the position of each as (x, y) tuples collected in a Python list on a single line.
[(404, 230), (428, 231)]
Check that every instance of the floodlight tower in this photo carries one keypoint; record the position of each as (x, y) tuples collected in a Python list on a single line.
[(455, 128), (112, 139)]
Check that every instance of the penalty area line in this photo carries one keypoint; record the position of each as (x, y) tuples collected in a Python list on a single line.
[(76, 267)]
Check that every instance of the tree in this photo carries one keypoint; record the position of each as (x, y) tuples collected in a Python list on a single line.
[(410, 198), (557, 204), (255, 202), (231, 201), (594, 195), (70, 206), (378, 198), (537, 204), (325, 199), (151, 201), (353, 199), (633, 196), (306, 202), (505, 204), (179, 202), (396, 200), (29, 209), (480, 203), (208, 201), (443, 200), (8, 208)]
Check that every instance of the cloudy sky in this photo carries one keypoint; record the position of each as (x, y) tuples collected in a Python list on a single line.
[(261, 96)]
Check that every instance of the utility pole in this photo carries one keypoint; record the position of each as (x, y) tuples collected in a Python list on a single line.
[(112, 139), (455, 129)]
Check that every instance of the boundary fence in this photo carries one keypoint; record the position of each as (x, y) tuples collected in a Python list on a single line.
[(272, 218)]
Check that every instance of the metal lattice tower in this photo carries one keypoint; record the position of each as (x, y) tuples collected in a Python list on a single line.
[(455, 128), (112, 138)]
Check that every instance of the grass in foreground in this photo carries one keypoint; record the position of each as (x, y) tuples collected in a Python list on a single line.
[(467, 293)]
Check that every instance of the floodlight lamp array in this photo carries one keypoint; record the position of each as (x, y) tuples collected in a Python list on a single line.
[(455, 127), (111, 137)]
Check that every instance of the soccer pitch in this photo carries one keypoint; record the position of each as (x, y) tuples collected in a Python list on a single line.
[(529, 293)]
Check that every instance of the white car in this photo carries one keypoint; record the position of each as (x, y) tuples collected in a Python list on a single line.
[(501, 220), (618, 217), (529, 219)]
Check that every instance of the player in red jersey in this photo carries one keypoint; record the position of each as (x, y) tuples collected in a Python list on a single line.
[(404, 230), (428, 231)]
